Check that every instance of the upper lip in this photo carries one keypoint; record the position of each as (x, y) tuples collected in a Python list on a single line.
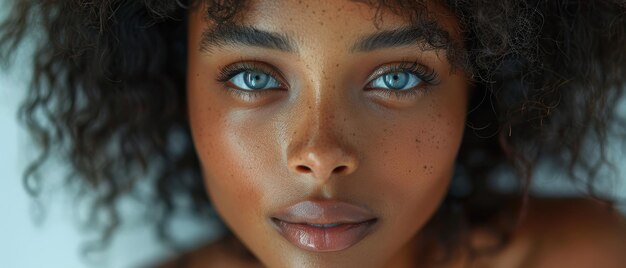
[(324, 212)]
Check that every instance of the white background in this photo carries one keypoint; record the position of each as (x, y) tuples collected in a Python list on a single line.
[(56, 241)]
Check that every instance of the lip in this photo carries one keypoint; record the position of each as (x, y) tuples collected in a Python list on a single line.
[(324, 226)]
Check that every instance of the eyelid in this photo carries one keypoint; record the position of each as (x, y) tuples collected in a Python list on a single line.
[(228, 72), (427, 74)]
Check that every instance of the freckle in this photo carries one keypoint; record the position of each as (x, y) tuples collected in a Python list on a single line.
[(384, 130), (323, 10), (353, 134), (417, 140), (385, 152), (313, 11), (309, 107), (197, 74), (321, 23), (425, 167), (337, 65)]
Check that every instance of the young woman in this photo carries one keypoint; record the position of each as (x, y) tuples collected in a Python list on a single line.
[(338, 133)]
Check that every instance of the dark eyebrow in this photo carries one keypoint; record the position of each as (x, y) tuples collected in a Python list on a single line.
[(426, 35), (232, 34)]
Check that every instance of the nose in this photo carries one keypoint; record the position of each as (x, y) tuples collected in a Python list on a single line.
[(318, 150), (322, 163)]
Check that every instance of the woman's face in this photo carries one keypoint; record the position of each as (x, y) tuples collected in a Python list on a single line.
[(306, 113)]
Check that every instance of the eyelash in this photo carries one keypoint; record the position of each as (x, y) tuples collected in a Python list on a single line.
[(425, 74), (230, 71)]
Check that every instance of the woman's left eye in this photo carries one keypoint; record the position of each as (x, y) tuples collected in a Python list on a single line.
[(402, 80), (254, 80)]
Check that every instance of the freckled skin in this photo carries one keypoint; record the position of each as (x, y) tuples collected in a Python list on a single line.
[(397, 156)]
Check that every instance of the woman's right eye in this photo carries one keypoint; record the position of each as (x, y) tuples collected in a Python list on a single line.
[(249, 80), (254, 80)]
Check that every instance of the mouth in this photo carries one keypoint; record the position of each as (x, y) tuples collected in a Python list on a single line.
[(324, 226)]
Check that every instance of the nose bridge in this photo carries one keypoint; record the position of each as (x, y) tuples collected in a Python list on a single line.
[(317, 147)]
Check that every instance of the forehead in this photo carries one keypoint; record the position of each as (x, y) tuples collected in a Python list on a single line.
[(315, 25), (316, 16), (308, 13), (310, 25), (327, 16)]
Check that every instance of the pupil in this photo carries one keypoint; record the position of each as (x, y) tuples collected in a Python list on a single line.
[(396, 80), (256, 80)]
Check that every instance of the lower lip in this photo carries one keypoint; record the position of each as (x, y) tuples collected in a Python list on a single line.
[(324, 239)]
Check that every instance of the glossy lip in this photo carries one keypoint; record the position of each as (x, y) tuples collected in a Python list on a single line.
[(345, 224)]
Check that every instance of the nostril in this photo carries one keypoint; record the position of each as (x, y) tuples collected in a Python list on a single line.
[(303, 169), (340, 169)]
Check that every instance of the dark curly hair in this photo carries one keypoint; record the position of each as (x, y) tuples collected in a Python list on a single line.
[(108, 93)]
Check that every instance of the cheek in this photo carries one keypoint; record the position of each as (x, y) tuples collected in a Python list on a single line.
[(241, 162), (229, 155), (417, 157), (233, 170)]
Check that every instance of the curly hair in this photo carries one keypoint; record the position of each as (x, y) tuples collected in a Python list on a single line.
[(107, 94)]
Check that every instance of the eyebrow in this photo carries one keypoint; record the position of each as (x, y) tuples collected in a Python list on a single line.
[(425, 35), (232, 34)]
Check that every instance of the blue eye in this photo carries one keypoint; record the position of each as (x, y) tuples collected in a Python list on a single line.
[(396, 80), (254, 80)]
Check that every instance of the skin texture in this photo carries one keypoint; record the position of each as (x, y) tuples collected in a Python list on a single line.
[(324, 136), (110, 74)]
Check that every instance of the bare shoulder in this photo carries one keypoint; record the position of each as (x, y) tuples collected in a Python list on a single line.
[(226, 252), (572, 232)]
